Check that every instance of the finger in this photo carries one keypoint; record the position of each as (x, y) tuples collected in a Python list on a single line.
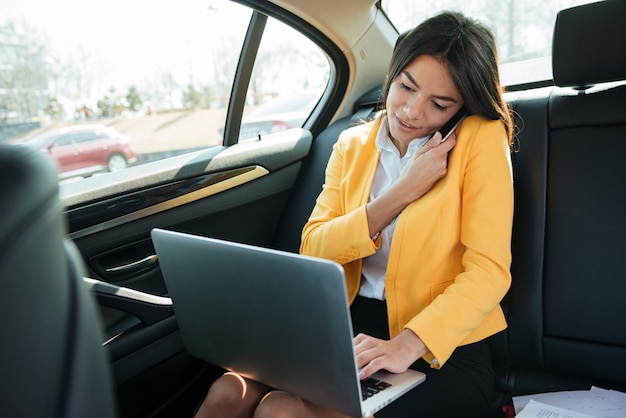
[(363, 359), (365, 352), (364, 341), (367, 371), (432, 143), (436, 138), (435, 144), (359, 338), (372, 367), (451, 140)]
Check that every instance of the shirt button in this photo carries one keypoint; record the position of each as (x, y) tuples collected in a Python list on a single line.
[(435, 361)]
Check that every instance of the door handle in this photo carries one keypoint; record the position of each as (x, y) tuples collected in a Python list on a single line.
[(134, 266)]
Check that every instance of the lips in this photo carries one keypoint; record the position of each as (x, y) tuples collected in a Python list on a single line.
[(406, 127)]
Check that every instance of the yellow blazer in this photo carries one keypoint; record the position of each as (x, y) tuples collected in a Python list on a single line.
[(449, 261)]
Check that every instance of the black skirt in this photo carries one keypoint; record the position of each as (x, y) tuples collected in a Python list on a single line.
[(463, 387)]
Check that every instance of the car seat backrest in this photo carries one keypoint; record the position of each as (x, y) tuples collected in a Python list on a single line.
[(566, 307), (307, 187), (52, 363), (585, 286)]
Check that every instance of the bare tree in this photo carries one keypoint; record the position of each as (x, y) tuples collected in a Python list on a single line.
[(85, 70), (170, 86), (523, 29), (286, 57), (225, 58), (23, 72)]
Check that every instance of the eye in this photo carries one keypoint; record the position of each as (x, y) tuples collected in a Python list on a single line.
[(405, 87), (439, 107)]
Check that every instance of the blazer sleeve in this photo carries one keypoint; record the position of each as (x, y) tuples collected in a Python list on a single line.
[(337, 228)]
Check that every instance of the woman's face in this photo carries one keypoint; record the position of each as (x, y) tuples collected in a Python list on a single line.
[(421, 99)]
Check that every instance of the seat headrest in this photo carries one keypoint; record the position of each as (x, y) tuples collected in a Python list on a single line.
[(588, 44)]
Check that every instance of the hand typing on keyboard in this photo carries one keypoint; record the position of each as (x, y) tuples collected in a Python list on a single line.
[(395, 355)]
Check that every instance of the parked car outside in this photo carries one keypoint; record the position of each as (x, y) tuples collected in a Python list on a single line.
[(86, 148), (277, 115)]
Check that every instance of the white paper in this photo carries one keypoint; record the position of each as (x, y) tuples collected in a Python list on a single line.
[(616, 397), (596, 403), (534, 409), (567, 399)]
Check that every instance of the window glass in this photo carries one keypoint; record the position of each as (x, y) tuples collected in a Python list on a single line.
[(65, 140), (160, 73), (90, 136), (523, 29), (289, 77)]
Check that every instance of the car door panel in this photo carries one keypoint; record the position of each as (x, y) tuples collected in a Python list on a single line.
[(66, 155), (254, 208), (228, 185), (236, 193), (141, 360), (92, 150)]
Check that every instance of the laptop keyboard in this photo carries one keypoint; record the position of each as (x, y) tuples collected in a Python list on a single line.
[(371, 386)]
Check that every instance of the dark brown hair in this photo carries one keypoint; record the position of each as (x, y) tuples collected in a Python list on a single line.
[(469, 49)]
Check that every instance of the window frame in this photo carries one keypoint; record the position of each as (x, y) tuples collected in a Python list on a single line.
[(328, 104), (243, 73)]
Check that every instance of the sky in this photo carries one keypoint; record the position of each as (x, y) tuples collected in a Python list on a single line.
[(136, 42), (132, 39)]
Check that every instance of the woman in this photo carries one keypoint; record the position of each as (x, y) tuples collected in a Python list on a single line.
[(422, 228)]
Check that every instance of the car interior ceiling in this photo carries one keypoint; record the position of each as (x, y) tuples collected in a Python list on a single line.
[(565, 308)]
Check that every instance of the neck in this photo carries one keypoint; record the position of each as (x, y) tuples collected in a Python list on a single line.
[(401, 146)]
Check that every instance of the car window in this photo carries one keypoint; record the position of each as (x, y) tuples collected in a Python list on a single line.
[(65, 140), (85, 137), (289, 76), (159, 73), (523, 29)]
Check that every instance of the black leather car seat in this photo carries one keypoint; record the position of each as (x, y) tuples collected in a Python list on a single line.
[(52, 363), (566, 309)]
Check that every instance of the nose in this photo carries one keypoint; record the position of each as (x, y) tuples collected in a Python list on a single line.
[(414, 107)]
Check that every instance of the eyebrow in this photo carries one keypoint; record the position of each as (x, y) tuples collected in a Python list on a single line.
[(444, 98)]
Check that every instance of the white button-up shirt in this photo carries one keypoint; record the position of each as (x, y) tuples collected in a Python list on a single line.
[(388, 170)]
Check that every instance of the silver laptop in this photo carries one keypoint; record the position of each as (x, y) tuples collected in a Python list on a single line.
[(279, 318)]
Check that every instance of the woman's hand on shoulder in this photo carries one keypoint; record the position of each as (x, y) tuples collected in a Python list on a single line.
[(419, 176), (427, 166)]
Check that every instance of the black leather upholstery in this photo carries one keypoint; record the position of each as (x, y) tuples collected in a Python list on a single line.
[(52, 363), (588, 44), (566, 309), (308, 186)]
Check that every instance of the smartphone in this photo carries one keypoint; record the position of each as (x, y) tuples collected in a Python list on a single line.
[(451, 125)]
